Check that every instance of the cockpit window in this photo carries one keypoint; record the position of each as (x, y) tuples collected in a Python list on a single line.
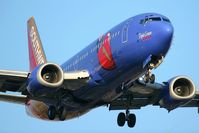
[(146, 20), (165, 19), (155, 19)]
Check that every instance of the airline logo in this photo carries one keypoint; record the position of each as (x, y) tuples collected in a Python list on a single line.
[(145, 36), (36, 46), (105, 54)]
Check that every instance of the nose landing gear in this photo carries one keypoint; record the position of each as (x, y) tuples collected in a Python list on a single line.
[(130, 118), (155, 62), (149, 77)]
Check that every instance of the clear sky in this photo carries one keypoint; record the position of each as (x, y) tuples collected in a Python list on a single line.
[(68, 26)]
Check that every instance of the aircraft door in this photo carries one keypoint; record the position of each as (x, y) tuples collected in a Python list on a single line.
[(125, 33)]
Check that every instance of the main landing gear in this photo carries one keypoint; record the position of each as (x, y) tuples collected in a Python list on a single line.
[(130, 118), (53, 111)]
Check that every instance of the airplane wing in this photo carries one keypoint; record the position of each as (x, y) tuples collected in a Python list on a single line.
[(18, 99), (194, 102), (16, 81), (137, 96), (76, 79), (141, 94), (12, 80)]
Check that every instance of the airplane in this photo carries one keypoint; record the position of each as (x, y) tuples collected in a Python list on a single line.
[(115, 71)]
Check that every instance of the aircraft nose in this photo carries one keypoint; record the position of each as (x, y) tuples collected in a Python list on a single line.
[(168, 28), (166, 37)]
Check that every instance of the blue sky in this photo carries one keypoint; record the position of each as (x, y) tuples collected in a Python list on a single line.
[(68, 26)]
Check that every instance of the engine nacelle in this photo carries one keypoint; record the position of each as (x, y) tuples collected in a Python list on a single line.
[(179, 91), (45, 79)]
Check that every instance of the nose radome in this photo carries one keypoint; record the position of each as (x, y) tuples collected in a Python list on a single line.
[(165, 36), (168, 32)]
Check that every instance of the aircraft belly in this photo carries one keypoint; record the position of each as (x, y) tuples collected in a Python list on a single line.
[(39, 110)]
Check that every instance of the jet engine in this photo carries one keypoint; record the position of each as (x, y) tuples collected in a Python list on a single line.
[(179, 91), (45, 78)]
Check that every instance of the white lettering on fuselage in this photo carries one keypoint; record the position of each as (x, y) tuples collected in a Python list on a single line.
[(145, 36), (36, 46)]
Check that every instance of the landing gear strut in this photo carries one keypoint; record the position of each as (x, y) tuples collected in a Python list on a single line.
[(155, 62), (130, 118), (149, 77), (53, 111)]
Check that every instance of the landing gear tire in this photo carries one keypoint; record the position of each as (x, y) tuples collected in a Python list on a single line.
[(51, 112), (131, 120), (62, 113), (121, 119)]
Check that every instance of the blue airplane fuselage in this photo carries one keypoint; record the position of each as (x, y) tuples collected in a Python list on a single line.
[(131, 45)]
